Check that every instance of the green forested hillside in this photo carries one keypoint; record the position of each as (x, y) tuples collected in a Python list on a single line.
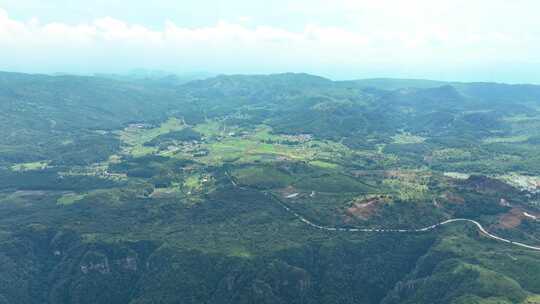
[(146, 191)]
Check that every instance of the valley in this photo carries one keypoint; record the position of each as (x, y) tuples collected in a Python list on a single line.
[(287, 188)]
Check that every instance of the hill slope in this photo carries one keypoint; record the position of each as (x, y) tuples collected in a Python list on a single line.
[(132, 191)]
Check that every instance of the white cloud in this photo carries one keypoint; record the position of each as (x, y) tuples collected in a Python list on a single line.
[(436, 34)]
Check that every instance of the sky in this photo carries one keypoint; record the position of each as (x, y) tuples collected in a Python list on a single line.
[(461, 40)]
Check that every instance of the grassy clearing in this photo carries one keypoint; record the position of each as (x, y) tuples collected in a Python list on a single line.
[(193, 183), (332, 183), (533, 299), (140, 150), (40, 165), (69, 199), (240, 252), (134, 137), (323, 164), (214, 128), (263, 177)]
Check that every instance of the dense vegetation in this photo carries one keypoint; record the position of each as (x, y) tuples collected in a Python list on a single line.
[(129, 190)]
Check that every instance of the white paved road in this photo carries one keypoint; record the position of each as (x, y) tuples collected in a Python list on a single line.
[(382, 230), (424, 229)]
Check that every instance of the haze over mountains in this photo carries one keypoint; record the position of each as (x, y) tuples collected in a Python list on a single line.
[(488, 40), (127, 189)]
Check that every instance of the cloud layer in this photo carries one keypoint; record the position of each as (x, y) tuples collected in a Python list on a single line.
[(414, 38)]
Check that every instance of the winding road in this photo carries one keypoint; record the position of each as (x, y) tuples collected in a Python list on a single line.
[(424, 229), (383, 230)]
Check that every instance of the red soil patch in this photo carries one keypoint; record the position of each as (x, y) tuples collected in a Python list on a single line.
[(514, 217), (363, 209)]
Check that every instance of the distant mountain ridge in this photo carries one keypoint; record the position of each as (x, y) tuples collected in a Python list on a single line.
[(149, 189)]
